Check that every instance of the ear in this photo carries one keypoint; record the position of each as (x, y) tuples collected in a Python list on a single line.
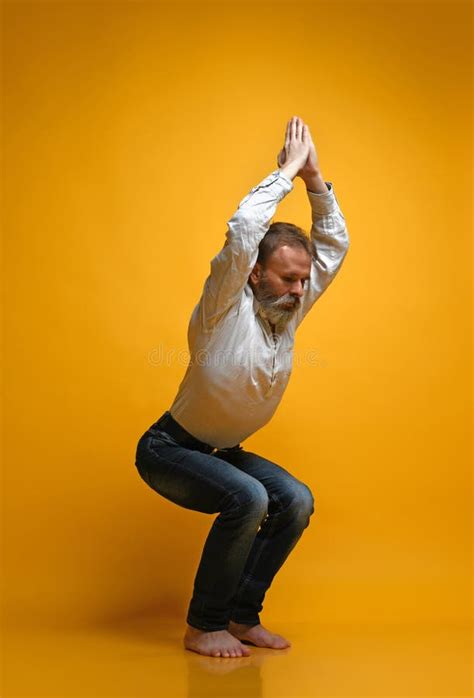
[(256, 273)]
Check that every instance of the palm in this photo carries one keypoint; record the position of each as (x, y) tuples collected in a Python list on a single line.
[(311, 165)]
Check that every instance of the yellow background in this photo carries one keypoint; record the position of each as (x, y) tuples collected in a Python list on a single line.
[(131, 132)]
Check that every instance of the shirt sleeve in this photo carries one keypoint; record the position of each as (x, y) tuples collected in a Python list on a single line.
[(330, 242), (231, 267)]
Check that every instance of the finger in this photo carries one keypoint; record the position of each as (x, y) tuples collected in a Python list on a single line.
[(296, 122), (293, 128), (299, 124), (304, 131)]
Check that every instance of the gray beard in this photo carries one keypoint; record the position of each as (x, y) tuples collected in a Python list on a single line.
[(276, 316), (271, 307)]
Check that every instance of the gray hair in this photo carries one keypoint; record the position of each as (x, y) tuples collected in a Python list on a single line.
[(279, 234)]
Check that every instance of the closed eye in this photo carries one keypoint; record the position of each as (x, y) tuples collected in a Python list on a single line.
[(290, 280)]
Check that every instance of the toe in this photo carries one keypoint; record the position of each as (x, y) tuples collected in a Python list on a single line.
[(282, 643)]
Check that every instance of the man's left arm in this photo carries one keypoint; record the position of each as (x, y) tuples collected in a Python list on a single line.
[(329, 240)]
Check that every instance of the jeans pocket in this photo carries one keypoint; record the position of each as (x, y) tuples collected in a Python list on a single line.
[(162, 437), (157, 454)]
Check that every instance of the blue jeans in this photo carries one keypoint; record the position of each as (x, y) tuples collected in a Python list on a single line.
[(262, 508)]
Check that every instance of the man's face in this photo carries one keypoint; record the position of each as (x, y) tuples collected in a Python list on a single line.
[(280, 285)]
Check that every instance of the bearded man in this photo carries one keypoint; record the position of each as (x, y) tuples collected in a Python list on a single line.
[(261, 285)]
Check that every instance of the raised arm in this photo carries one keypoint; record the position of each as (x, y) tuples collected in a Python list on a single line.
[(329, 235), (330, 242), (231, 267)]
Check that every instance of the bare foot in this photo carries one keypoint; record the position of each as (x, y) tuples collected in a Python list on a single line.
[(216, 643), (258, 635)]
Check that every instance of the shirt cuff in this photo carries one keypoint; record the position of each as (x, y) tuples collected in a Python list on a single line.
[(325, 202), (285, 177), (284, 182)]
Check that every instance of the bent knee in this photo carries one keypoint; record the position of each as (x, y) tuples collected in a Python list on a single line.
[(252, 499), (303, 502)]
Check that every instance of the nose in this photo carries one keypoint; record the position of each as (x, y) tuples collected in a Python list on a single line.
[(297, 289)]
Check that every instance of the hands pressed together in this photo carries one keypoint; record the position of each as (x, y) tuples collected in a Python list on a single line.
[(298, 157)]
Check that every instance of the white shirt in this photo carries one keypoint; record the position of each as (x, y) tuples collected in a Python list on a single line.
[(239, 369)]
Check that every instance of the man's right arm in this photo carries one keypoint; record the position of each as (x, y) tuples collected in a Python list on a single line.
[(231, 267)]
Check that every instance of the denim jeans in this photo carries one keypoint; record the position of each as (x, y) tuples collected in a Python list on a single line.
[(262, 508)]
